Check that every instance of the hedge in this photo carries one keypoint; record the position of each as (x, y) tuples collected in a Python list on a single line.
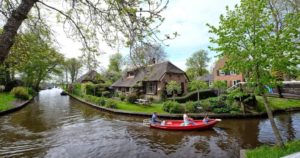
[(192, 96)]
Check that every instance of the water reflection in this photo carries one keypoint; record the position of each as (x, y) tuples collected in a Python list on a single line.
[(57, 126)]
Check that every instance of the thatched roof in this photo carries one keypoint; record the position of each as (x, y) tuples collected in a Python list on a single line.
[(89, 76), (149, 73)]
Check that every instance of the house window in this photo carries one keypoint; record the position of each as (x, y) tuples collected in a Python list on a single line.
[(221, 73), (232, 73), (235, 82), (151, 87), (227, 72)]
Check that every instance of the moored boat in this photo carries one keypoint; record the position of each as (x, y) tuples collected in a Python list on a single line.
[(178, 125)]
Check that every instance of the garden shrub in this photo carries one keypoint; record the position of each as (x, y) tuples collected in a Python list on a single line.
[(122, 97), (192, 96), (131, 98), (76, 89), (111, 104), (20, 93), (190, 107), (92, 99), (176, 108), (102, 102), (106, 94), (172, 107), (11, 84), (151, 99), (90, 88), (32, 92), (225, 109)]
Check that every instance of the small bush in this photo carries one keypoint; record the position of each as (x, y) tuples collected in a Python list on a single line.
[(172, 107), (106, 94), (222, 110), (190, 107), (11, 84), (217, 102), (111, 104), (32, 92), (76, 89), (122, 97), (92, 99), (131, 98), (176, 108), (102, 102), (151, 99), (20, 92)]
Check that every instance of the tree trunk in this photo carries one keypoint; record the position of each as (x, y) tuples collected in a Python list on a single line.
[(242, 105), (279, 91), (7, 74), (198, 95), (279, 140), (7, 38)]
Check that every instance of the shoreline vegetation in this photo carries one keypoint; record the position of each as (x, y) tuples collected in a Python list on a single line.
[(277, 104), (17, 98), (6, 101), (274, 151)]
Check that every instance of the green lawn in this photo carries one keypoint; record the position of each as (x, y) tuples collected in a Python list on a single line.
[(155, 107), (5, 101), (278, 103), (274, 152)]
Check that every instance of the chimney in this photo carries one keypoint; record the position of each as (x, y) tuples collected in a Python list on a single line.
[(153, 60)]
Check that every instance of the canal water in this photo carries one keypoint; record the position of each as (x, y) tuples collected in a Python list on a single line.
[(58, 126)]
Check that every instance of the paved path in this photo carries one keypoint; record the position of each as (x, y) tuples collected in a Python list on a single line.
[(295, 155)]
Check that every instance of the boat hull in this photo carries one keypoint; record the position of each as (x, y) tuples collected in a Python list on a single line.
[(176, 125)]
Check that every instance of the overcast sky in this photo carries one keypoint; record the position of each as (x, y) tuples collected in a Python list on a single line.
[(188, 18)]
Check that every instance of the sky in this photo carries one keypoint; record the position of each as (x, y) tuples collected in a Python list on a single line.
[(188, 18)]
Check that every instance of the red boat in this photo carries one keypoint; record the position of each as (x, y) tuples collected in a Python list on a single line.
[(177, 125)]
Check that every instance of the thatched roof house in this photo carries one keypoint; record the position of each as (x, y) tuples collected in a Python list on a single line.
[(151, 80)]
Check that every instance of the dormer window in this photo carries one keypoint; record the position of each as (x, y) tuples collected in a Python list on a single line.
[(130, 74)]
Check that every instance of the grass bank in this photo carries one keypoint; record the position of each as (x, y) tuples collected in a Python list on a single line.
[(278, 103), (273, 151), (6, 100), (140, 108)]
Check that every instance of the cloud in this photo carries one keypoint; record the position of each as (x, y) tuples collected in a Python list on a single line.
[(189, 19)]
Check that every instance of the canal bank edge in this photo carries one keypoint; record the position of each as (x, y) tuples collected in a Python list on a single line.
[(179, 116), (16, 108)]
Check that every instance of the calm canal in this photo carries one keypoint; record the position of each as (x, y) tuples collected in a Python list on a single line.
[(58, 126)]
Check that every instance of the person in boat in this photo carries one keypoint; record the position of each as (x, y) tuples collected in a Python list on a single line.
[(205, 119), (154, 119), (187, 120)]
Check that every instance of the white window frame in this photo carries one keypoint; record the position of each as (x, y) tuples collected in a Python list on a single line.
[(150, 87)]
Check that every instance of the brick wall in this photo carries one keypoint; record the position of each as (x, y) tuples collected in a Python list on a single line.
[(229, 78)]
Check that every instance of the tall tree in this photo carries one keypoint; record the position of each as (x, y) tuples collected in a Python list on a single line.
[(115, 63), (172, 88), (245, 36), (34, 59), (114, 71), (283, 13), (147, 54), (220, 86), (129, 22), (197, 63), (197, 85), (73, 66)]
